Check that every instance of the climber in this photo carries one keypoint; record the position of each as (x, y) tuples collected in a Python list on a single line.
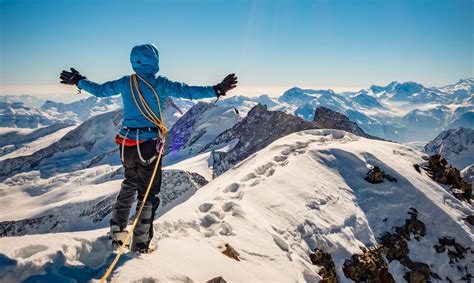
[(140, 138)]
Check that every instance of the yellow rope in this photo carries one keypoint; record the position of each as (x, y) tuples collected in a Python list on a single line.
[(142, 100), (152, 118), (154, 92), (159, 123)]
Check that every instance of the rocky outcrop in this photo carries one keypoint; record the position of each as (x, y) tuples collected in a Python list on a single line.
[(231, 252), (440, 172), (327, 267), (370, 264), (395, 247), (262, 127), (218, 279), (325, 118), (454, 249), (377, 175)]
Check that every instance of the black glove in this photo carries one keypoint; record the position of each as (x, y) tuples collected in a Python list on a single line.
[(227, 84), (71, 78)]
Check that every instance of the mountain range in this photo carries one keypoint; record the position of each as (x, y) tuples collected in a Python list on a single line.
[(280, 180), (402, 112)]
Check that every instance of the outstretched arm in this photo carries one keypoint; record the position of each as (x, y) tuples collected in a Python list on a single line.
[(182, 90), (100, 90)]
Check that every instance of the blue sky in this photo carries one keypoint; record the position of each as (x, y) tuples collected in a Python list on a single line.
[(271, 45)]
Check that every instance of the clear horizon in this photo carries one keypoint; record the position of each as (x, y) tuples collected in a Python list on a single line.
[(271, 45), (61, 91)]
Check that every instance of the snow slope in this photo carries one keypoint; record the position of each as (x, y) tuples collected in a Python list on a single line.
[(37, 143), (303, 191)]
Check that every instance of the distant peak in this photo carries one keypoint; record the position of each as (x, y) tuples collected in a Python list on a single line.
[(467, 80), (257, 109)]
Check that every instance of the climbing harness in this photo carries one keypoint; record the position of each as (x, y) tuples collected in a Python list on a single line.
[(123, 146), (150, 116)]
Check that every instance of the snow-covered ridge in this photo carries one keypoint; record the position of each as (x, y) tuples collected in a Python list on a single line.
[(90, 143), (28, 100), (18, 115), (302, 191), (81, 110), (18, 143), (261, 127)]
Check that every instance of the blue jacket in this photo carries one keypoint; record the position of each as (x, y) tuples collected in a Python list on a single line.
[(145, 62)]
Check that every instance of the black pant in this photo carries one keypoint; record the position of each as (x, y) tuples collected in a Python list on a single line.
[(137, 178)]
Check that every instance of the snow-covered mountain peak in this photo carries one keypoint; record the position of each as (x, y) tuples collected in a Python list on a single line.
[(28, 100), (466, 82), (83, 109), (408, 87), (406, 91), (18, 115), (299, 96)]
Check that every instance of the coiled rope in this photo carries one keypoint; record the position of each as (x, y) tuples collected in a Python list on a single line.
[(150, 116)]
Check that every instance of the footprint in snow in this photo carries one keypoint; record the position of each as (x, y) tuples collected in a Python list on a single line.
[(248, 177), (234, 208), (280, 158), (205, 207), (264, 169), (220, 215), (229, 206), (234, 187), (208, 220), (226, 229)]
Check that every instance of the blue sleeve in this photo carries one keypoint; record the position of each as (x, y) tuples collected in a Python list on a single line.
[(182, 90), (102, 90)]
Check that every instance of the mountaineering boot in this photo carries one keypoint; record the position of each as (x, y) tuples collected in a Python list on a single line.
[(118, 236)]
